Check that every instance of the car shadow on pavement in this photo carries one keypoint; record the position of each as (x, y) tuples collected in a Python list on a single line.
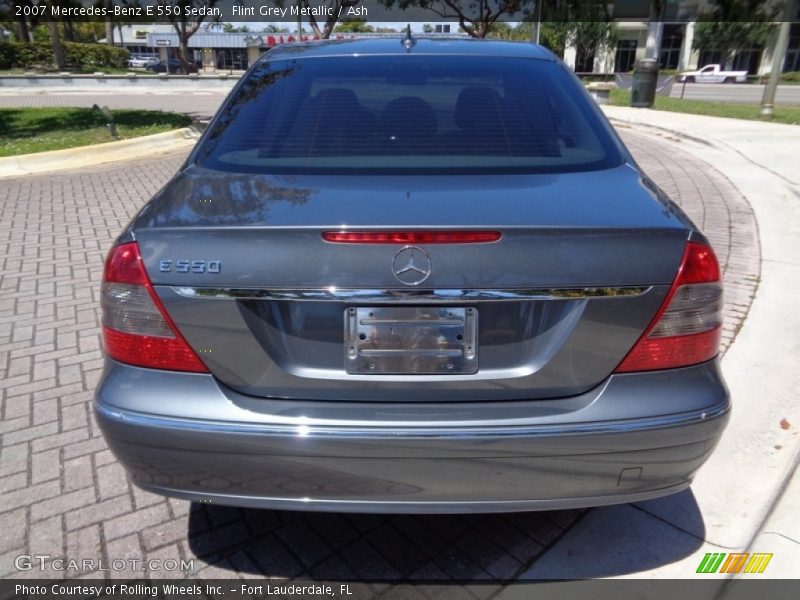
[(335, 546), (626, 539)]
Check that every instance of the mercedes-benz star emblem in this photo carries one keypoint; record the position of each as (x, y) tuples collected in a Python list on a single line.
[(411, 265)]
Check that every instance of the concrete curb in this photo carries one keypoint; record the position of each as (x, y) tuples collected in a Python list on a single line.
[(656, 130), (119, 82), (76, 158), (742, 485), (757, 138)]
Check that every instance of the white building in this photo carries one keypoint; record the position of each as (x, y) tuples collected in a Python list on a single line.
[(677, 51), (215, 49)]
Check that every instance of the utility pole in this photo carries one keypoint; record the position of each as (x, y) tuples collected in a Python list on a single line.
[(537, 25), (778, 56), (299, 21), (655, 30)]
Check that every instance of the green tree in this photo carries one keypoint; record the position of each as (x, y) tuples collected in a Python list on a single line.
[(475, 17), (58, 48), (522, 32), (50, 32), (354, 26), (500, 31), (732, 25), (585, 24), (336, 8), (20, 24), (68, 23), (108, 24), (185, 26), (231, 28)]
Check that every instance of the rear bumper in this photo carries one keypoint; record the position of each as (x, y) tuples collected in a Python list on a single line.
[(635, 437)]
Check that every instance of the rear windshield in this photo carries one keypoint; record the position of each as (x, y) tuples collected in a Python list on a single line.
[(408, 113)]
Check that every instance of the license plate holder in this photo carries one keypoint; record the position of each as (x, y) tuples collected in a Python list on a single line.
[(411, 340)]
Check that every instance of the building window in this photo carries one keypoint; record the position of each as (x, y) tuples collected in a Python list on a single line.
[(792, 61), (625, 56), (744, 60), (141, 50), (232, 58), (747, 60), (671, 42), (584, 61), (709, 57)]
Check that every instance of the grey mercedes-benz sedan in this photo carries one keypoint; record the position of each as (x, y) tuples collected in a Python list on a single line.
[(411, 276)]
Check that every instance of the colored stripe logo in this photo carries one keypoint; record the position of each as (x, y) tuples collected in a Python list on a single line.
[(737, 562)]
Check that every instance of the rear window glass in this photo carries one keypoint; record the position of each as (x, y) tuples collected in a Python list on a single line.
[(408, 113)]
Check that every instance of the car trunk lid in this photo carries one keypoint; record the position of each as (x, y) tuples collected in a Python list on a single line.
[(274, 310)]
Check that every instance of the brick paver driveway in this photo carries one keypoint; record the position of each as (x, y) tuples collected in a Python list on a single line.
[(61, 491)]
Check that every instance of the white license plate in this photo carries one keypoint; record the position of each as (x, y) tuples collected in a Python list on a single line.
[(411, 340)]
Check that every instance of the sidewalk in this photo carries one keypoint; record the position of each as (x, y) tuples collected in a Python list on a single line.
[(744, 499), (771, 146)]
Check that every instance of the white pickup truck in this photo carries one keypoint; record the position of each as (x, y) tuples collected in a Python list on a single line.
[(141, 61), (714, 74)]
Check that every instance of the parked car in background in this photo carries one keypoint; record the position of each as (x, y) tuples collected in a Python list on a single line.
[(714, 74), (411, 276), (172, 65), (141, 61)]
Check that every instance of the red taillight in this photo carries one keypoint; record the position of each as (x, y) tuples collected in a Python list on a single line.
[(136, 328), (687, 328), (411, 237)]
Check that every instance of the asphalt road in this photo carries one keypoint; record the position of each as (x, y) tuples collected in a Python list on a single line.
[(739, 93), (197, 105), (203, 105)]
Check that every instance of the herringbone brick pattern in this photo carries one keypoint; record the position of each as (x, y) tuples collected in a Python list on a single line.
[(718, 209), (63, 494)]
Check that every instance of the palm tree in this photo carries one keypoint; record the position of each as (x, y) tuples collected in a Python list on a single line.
[(109, 23), (55, 41)]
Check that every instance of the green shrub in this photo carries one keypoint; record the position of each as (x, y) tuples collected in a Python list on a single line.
[(17, 54), (6, 54), (94, 55), (76, 55)]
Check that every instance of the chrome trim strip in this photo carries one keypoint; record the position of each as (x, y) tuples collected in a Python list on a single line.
[(446, 296), (411, 505), (392, 431)]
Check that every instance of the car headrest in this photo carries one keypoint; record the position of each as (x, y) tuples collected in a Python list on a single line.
[(338, 98), (477, 107), (408, 116)]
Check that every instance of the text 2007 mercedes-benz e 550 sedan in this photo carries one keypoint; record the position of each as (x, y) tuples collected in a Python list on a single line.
[(411, 276)]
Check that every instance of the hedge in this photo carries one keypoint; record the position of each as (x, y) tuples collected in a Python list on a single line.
[(76, 55)]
